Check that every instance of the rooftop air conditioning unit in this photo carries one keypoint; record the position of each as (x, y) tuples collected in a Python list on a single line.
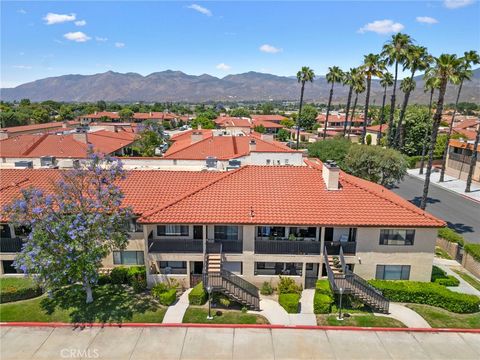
[(48, 161), (211, 162)]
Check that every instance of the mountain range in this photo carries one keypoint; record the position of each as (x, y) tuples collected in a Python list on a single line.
[(176, 86)]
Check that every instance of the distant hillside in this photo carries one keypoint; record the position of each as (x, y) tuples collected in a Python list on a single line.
[(177, 86)]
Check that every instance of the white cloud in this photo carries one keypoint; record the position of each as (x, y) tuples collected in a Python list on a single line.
[(80, 23), (223, 67), (455, 4), (22, 11), (22, 67), (270, 49), (100, 39), (52, 18), (119, 45), (426, 20), (200, 9), (77, 36), (382, 27)]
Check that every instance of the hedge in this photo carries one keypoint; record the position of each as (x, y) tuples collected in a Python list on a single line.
[(198, 295), (118, 275), (323, 287), (322, 303), (168, 297), (440, 277), (289, 302), (450, 235), (427, 293), (15, 289), (473, 250)]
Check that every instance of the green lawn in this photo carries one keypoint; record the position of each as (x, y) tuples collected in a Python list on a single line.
[(440, 318), (112, 303), (359, 320), (439, 252), (14, 282), (198, 315), (469, 279)]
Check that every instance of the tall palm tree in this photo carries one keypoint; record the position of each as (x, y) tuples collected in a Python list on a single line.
[(372, 67), (385, 82), (334, 75), (358, 81), (347, 80), (464, 73), (431, 83), (416, 59), (473, 160), (394, 53), (446, 70), (303, 76)]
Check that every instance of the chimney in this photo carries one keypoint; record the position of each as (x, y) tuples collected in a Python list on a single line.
[(96, 112), (196, 136), (331, 174), (64, 125), (150, 113), (199, 127), (267, 137), (81, 136), (3, 135), (252, 145)]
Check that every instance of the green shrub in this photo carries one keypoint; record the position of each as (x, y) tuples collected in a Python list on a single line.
[(266, 289), (118, 275), (168, 297), (159, 288), (14, 289), (450, 235), (135, 272), (427, 293), (289, 302), (287, 285), (322, 303), (449, 280), (139, 283), (104, 279), (225, 302), (437, 273), (473, 250), (323, 287), (198, 295)]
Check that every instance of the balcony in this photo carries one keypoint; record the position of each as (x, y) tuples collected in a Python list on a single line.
[(348, 247), (11, 245), (175, 246), (293, 247), (229, 246)]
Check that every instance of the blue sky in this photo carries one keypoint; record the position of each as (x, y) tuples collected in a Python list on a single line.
[(41, 39)]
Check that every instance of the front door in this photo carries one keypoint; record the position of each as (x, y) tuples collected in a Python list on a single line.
[(198, 267), (198, 232)]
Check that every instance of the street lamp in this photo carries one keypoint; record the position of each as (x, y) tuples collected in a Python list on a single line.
[(209, 290), (340, 315)]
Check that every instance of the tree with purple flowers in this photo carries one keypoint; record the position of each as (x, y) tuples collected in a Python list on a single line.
[(74, 226)]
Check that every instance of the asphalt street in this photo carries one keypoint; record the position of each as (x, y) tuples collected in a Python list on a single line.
[(460, 213)]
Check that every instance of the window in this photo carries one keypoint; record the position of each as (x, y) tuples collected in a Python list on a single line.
[(271, 231), (393, 272), (128, 258), (173, 267), (269, 161), (134, 226), (235, 267), (172, 230), (396, 237), (226, 232), (278, 268), (304, 232), (5, 231)]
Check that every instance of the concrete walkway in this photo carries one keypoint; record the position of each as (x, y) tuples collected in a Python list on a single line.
[(407, 316), (142, 343), (175, 313), (463, 287), (451, 184)]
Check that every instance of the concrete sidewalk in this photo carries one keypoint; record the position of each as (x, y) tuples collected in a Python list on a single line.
[(137, 343), (407, 316), (447, 266), (175, 312), (450, 184)]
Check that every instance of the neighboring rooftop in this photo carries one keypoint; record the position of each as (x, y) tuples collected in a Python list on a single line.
[(37, 128)]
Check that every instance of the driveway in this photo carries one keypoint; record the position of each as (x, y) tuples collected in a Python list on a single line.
[(461, 214), (166, 343)]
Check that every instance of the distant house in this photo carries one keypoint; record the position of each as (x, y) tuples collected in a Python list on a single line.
[(337, 122), (12, 131), (99, 115), (234, 124), (374, 131), (458, 159), (270, 126), (271, 118)]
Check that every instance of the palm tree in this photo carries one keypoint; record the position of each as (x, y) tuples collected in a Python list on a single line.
[(304, 75), (473, 159), (347, 80), (431, 83), (394, 53), (385, 82), (334, 75), (416, 59), (464, 73), (446, 70), (372, 66), (358, 81)]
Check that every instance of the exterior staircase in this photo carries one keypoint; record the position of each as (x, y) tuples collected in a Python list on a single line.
[(226, 282), (340, 277)]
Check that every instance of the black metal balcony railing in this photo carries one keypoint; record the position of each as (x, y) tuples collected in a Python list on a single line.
[(294, 247), (348, 247), (11, 245), (229, 246), (175, 245)]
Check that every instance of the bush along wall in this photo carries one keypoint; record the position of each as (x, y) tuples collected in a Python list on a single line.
[(290, 302), (323, 298), (198, 295)]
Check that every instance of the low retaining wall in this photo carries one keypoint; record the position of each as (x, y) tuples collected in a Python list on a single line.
[(471, 264), (449, 247)]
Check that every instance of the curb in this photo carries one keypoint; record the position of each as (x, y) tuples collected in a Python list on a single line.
[(238, 326)]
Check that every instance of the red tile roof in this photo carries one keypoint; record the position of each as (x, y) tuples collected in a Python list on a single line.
[(100, 114), (250, 195), (465, 124), (51, 126), (376, 128), (224, 121), (274, 118), (267, 124), (462, 144), (337, 118), (469, 134), (155, 115), (221, 147), (271, 195), (63, 146)]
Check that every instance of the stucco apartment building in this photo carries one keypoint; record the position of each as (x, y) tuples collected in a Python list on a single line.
[(261, 221), (458, 159)]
